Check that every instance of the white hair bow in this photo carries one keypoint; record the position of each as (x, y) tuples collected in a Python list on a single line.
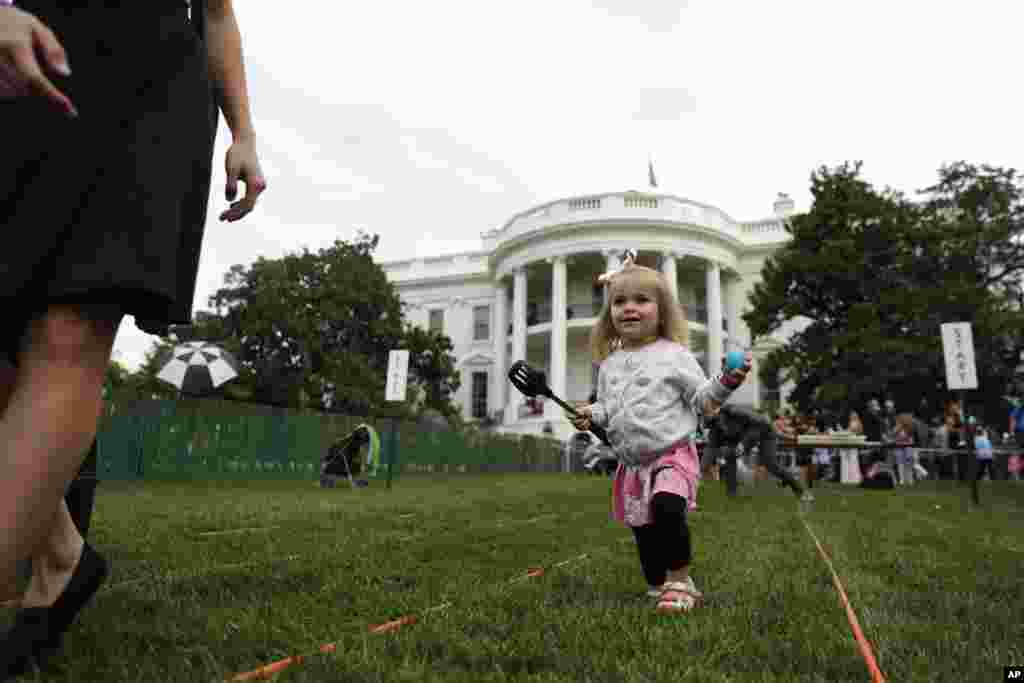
[(628, 258)]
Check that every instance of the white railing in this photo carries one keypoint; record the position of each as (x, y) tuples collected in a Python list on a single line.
[(587, 204), (629, 205), (641, 202), (764, 227)]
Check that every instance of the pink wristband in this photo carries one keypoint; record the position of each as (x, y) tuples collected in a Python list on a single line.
[(728, 381)]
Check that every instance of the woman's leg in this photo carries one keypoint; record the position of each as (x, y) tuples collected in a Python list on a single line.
[(79, 501), (54, 560), (51, 419), (8, 373)]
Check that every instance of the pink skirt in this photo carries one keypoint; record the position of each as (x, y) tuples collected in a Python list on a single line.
[(676, 472)]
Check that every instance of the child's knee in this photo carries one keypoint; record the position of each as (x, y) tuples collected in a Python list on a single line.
[(668, 508)]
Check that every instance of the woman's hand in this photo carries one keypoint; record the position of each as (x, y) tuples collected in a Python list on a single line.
[(242, 163), (23, 39), (581, 420)]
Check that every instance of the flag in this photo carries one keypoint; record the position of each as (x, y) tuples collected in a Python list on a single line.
[(650, 173)]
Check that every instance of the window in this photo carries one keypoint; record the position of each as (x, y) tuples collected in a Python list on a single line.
[(479, 397), (770, 395), (437, 321), (597, 299), (481, 323)]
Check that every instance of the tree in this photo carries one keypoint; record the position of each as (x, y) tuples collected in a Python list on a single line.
[(979, 211), (143, 383), (432, 369), (314, 329), (875, 274), (118, 377)]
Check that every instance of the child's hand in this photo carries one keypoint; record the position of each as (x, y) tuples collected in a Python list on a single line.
[(581, 420), (736, 377), (711, 408)]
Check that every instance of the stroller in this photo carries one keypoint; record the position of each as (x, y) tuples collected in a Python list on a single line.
[(345, 459)]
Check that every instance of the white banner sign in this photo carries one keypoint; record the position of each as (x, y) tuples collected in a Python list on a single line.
[(398, 375), (958, 348)]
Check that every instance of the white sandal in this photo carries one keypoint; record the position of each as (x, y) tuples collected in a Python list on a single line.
[(679, 596)]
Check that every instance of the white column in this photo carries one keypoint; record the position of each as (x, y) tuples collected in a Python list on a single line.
[(732, 295), (668, 269), (611, 262), (500, 345), (714, 303), (556, 381), (518, 336)]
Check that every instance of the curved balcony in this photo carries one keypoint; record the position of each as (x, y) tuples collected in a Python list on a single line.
[(630, 207)]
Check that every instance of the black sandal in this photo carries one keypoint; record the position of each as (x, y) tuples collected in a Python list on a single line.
[(38, 631)]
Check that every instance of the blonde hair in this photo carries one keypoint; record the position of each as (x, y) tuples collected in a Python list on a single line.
[(671, 318)]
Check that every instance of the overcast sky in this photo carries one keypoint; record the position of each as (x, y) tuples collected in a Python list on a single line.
[(430, 123)]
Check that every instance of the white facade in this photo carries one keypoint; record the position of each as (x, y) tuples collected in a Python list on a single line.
[(531, 293)]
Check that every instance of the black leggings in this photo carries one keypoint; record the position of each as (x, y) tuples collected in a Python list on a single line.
[(982, 467), (664, 545)]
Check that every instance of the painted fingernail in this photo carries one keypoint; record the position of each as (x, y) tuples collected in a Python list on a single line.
[(63, 69)]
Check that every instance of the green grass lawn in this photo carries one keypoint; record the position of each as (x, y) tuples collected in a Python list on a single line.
[(937, 586)]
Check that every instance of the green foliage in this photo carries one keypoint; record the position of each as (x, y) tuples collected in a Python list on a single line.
[(117, 377), (313, 330), (217, 578), (876, 274)]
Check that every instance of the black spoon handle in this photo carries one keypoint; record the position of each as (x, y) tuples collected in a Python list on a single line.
[(600, 433)]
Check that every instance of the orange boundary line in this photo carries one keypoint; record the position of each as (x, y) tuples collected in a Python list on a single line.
[(862, 642), (280, 665)]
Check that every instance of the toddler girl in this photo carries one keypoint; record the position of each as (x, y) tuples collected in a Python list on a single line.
[(650, 394)]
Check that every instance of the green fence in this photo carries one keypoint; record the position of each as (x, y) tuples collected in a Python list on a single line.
[(213, 439)]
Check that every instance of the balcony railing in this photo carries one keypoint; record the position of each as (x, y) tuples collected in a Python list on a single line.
[(627, 206), (696, 314), (539, 313)]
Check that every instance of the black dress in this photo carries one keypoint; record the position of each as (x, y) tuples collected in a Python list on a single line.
[(109, 207)]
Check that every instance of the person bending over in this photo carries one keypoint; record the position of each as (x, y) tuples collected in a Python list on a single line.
[(734, 425)]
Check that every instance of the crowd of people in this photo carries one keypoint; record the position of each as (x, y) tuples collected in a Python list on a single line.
[(912, 449)]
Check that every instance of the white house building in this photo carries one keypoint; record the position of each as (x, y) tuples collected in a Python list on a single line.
[(531, 293)]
